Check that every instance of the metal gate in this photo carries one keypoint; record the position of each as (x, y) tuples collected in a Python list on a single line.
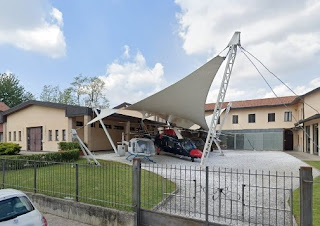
[(226, 196)]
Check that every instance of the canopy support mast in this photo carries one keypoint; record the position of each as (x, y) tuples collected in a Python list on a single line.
[(212, 133)]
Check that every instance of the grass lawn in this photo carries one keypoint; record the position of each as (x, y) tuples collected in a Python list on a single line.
[(109, 185), (316, 198)]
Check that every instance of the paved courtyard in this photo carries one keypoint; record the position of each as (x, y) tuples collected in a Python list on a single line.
[(232, 159), (264, 200)]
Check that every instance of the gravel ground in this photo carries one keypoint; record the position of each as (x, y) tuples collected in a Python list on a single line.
[(256, 190)]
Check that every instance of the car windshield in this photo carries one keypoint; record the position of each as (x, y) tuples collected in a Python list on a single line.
[(188, 145), (13, 207)]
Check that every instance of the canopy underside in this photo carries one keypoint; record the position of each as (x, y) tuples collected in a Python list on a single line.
[(183, 103)]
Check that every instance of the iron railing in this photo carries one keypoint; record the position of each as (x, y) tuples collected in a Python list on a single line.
[(226, 196), (108, 185), (218, 195)]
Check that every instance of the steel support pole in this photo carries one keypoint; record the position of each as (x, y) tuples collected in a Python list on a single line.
[(3, 172), (106, 132), (233, 45), (77, 182), (136, 189), (207, 195), (35, 177), (306, 190)]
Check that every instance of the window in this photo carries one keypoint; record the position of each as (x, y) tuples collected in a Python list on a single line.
[(64, 135), (93, 124), (271, 117), (119, 127), (14, 136), (218, 121), (50, 135), (252, 118), (78, 123), (19, 135), (9, 136), (234, 119), (288, 116), (57, 135), (106, 125)]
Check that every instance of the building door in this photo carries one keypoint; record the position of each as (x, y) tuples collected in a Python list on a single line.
[(34, 136), (288, 140), (315, 139), (308, 139)]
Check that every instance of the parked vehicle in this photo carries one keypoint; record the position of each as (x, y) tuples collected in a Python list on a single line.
[(169, 142), (17, 209)]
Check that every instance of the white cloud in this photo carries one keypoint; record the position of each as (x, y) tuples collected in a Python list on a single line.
[(33, 26), (132, 80), (284, 35), (126, 53), (57, 16), (282, 90)]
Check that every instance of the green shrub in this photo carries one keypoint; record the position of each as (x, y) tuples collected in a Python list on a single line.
[(9, 148), (67, 146), (67, 156)]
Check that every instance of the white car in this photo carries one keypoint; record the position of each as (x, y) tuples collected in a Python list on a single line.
[(16, 209)]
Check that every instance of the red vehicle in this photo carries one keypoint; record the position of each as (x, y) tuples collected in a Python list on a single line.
[(168, 141)]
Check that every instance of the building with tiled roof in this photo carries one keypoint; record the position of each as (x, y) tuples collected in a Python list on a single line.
[(3, 107), (284, 123)]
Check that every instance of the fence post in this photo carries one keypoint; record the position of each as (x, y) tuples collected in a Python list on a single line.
[(77, 182), (35, 177), (136, 188), (3, 172), (207, 195), (306, 187)]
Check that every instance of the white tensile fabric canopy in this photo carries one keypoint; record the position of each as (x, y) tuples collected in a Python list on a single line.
[(103, 113), (183, 103)]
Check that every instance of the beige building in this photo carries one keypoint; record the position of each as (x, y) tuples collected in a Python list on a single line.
[(285, 123), (40, 126), (3, 107)]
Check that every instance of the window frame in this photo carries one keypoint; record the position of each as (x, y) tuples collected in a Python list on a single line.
[(235, 117), (288, 116), (254, 118), (56, 135), (50, 135), (64, 135), (270, 118)]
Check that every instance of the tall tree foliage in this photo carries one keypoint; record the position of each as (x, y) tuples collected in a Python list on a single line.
[(53, 94), (85, 91), (11, 92)]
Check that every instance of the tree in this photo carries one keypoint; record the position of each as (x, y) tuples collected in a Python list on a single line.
[(94, 93), (53, 94), (85, 91), (11, 92), (89, 91), (78, 87)]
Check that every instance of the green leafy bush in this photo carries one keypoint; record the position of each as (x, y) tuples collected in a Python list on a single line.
[(9, 148), (67, 156), (67, 146)]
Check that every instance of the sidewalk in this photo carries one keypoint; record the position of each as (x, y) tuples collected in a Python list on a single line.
[(303, 156)]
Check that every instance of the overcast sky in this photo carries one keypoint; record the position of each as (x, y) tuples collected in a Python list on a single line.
[(140, 47)]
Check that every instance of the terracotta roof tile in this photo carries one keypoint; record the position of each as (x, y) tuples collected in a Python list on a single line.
[(255, 103), (3, 107)]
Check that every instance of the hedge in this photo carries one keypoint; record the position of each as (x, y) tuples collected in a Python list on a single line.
[(9, 148), (66, 146), (67, 156)]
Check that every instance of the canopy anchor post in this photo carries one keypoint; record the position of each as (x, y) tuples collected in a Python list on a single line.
[(84, 148), (212, 133)]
